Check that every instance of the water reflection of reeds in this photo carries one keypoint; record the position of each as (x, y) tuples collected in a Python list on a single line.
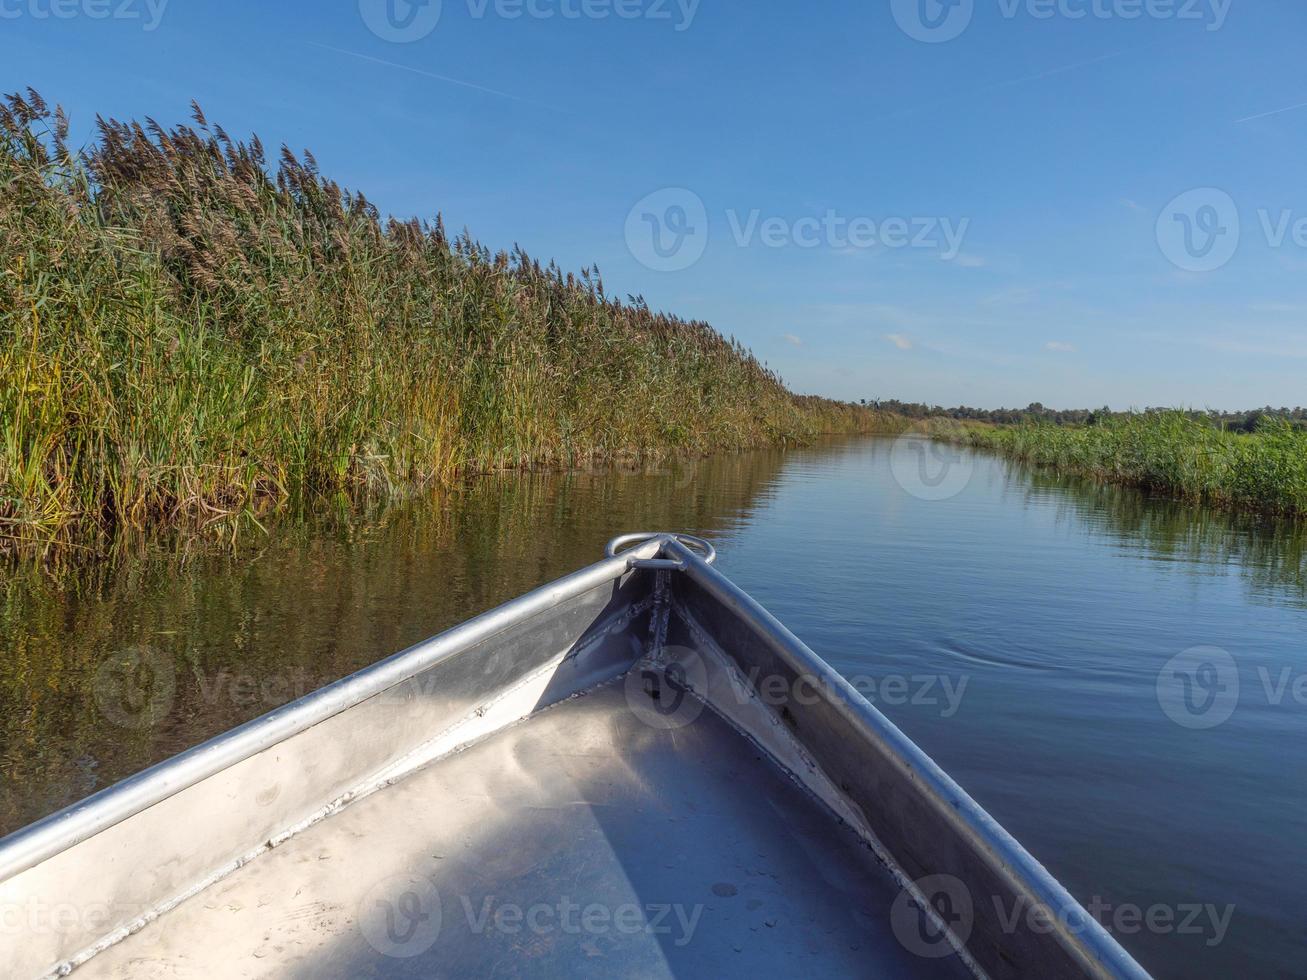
[(248, 627), (1270, 553)]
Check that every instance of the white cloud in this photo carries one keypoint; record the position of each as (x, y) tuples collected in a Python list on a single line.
[(792, 339), (1060, 346), (899, 341), (1015, 295), (856, 250), (971, 261)]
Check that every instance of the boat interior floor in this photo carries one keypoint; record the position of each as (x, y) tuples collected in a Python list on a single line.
[(581, 842)]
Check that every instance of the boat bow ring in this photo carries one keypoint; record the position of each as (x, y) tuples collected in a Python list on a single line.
[(704, 548)]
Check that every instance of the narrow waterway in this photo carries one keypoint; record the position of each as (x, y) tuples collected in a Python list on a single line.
[(1121, 681)]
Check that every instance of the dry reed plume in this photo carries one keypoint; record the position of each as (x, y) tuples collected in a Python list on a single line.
[(189, 333)]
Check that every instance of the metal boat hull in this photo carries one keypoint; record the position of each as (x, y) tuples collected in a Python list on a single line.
[(635, 770)]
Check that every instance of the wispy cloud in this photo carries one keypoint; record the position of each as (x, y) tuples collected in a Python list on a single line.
[(1059, 70), (910, 321), (971, 261), (899, 341), (1012, 82), (790, 338), (1297, 309), (1060, 347), (1013, 294), (432, 75), (1133, 205), (1026, 293), (1271, 348), (1273, 112)]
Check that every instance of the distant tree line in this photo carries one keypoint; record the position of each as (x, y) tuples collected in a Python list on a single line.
[(1035, 412)]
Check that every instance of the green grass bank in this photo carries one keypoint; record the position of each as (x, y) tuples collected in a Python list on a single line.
[(189, 333), (1171, 453)]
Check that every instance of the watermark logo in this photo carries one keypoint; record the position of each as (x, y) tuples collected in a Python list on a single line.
[(933, 915), (400, 916), (676, 923), (1285, 685), (1199, 230), (930, 469), (148, 13), (680, 13), (401, 21), (923, 916), (933, 21), (669, 694), (667, 231), (135, 687), (406, 21), (943, 692), (1209, 921), (33, 916), (849, 234), (1199, 688), (662, 693)]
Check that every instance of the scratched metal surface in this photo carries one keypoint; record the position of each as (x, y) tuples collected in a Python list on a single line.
[(581, 842)]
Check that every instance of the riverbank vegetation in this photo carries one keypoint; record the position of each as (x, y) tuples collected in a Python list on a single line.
[(190, 333), (1244, 421), (1174, 453)]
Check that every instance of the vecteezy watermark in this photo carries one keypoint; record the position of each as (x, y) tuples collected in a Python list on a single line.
[(669, 692), (934, 915), (33, 916), (1200, 230), (1200, 688), (679, 14), (135, 687), (936, 21), (933, 21), (149, 13), (666, 693), (930, 469), (836, 231), (1120, 918), (1285, 685), (668, 231), (248, 691), (941, 691), (676, 923), (401, 21), (400, 916), (406, 21)]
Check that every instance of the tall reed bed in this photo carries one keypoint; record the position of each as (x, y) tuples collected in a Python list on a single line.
[(189, 332), (1172, 453)]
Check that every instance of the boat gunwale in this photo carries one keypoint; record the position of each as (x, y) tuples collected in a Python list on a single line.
[(66, 828), (1077, 931)]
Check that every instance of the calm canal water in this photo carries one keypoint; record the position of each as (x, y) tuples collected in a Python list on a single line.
[(1120, 681)]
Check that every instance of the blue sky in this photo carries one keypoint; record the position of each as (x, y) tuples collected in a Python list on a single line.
[(1015, 180)]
